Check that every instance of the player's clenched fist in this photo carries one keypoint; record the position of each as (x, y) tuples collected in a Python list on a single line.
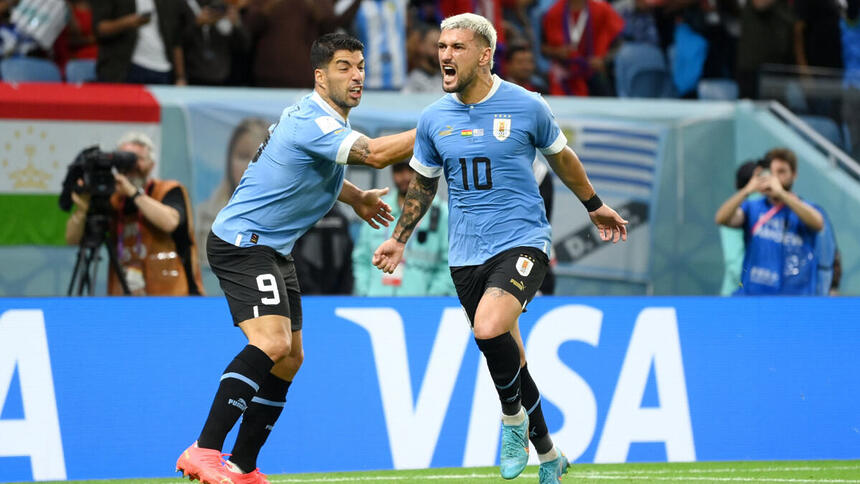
[(388, 255)]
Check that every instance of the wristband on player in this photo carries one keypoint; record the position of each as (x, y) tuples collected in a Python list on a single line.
[(593, 203)]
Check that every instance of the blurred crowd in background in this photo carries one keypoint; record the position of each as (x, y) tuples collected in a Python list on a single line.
[(560, 47), (804, 53)]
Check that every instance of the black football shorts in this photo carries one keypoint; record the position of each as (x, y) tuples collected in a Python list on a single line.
[(257, 281), (519, 271)]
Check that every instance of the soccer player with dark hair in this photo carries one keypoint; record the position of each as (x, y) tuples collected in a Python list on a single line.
[(292, 182), (483, 136)]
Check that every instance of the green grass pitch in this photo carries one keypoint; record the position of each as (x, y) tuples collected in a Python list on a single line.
[(793, 472)]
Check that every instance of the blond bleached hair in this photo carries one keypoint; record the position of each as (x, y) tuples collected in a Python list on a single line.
[(478, 25), (140, 139)]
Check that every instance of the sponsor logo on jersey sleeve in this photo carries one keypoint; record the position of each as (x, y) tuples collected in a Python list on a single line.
[(445, 132)]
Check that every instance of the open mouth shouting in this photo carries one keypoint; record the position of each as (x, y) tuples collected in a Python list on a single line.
[(449, 74), (355, 92)]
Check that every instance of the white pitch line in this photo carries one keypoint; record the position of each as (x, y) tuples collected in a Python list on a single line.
[(713, 479), (578, 475), (726, 470), (439, 477)]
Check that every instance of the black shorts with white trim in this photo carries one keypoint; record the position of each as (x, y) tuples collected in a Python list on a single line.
[(256, 281)]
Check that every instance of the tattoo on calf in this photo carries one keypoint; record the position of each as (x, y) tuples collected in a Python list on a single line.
[(418, 199), (359, 152)]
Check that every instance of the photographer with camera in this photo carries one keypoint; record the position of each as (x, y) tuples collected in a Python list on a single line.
[(146, 220), (780, 230)]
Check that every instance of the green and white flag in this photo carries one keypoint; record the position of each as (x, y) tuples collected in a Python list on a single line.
[(38, 142)]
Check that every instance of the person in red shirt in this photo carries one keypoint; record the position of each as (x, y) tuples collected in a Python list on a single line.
[(77, 40), (82, 41), (520, 68), (577, 35)]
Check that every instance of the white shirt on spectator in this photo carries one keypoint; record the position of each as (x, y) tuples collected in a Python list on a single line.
[(149, 50)]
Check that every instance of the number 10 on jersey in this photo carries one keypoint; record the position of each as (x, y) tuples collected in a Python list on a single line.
[(476, 166)]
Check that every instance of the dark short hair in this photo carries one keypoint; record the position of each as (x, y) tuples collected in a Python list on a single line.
[(423, 28), (514, 49), (783, 154), (324, 48), (401, 165), (744, 173)]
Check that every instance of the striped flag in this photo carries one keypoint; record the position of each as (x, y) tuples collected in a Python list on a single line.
[(620, 160), (42, 128)]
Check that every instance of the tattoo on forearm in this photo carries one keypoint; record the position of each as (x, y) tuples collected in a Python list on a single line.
[(359, 152), (418, 198)]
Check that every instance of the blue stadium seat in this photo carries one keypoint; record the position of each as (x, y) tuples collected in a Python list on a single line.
[(81, 70), (641, 71), (718, 89), (825, 127), (795, 98), (28, 69)]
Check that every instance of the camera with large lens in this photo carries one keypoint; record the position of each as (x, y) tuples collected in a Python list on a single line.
[(95, 167)]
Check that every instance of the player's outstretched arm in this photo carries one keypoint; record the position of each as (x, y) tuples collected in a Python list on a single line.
[(383, 151), (418, 199), (567, 166), (368, 204)]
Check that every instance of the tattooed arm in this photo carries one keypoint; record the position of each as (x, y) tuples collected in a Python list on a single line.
[(383, 151), (418, 198)]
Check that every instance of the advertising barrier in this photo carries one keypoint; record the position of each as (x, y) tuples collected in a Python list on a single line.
[(115, 387)]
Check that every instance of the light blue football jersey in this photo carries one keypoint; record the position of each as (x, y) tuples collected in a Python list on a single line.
[(293, 181), (486, 152)]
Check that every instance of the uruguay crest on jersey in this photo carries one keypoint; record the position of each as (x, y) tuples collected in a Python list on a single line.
[(494, 200), (524, 266), (502, 126)]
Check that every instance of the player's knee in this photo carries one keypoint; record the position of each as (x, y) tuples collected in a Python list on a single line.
[(295, 360), (276, 348), (487, 329)]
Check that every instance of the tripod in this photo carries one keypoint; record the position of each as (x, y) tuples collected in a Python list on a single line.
[(95, 234)]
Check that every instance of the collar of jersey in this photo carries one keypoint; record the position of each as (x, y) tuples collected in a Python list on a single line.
[(496, 83), (326, 106)]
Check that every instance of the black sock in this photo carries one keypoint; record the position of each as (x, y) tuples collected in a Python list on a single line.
[(538, 433), (503, 360), (258, 420), (239, 383)]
